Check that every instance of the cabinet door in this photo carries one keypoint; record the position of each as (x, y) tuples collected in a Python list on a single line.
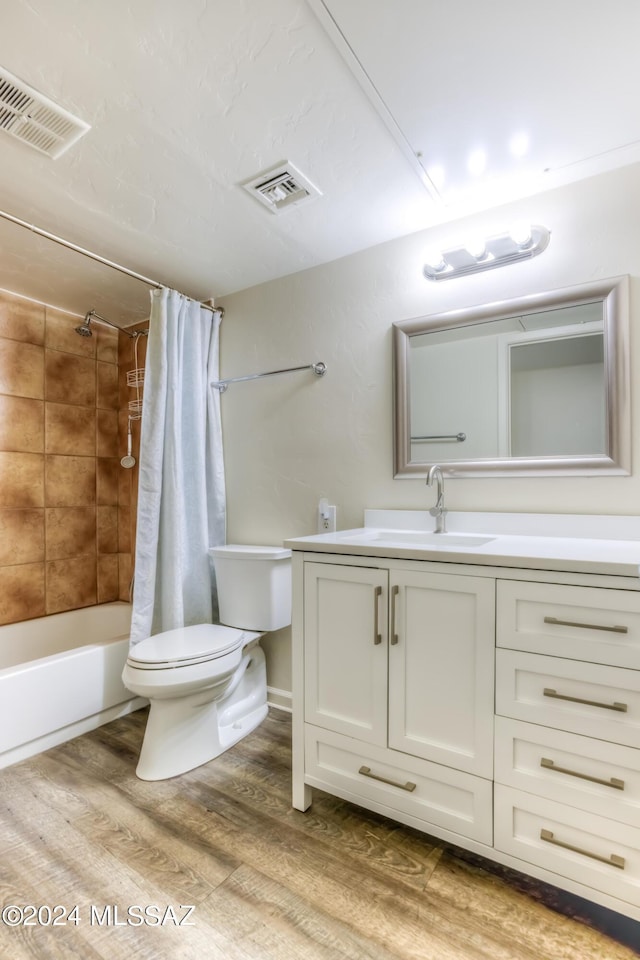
[(441, 669), (345, 622)]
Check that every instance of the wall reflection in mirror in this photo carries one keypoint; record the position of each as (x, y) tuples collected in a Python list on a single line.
[(530, 386)]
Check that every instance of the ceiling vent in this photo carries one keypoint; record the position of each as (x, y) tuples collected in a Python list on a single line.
[(33, 118), (281, 187)]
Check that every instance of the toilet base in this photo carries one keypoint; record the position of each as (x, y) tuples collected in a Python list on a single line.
[(186, 732)]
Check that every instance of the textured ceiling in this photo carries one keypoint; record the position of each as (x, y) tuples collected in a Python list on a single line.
[(187, 100)]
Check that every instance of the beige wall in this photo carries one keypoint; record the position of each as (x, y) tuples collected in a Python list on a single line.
[(65, 522), (66, 539), (290, 440)]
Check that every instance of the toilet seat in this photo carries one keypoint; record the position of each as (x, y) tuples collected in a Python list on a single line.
[(186, 646)]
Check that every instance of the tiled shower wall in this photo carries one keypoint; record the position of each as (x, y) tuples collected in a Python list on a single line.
[(65, 501)]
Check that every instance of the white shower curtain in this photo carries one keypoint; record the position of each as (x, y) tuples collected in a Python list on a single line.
[(181, 493)]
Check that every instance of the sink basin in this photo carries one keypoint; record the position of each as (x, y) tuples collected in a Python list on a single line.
[(410, 537), (433, 539)]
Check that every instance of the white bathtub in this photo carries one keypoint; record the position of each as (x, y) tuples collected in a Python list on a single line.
[(60, 677)]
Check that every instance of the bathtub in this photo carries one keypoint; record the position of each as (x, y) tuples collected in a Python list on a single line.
[(60, 677)]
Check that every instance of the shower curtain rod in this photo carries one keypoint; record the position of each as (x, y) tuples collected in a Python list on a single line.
[(318, 368), (95, 256)]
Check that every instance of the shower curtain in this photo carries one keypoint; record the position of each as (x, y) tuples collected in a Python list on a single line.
[(181, 491)]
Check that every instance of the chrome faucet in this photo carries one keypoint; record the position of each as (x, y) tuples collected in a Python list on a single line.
[(438, 511)]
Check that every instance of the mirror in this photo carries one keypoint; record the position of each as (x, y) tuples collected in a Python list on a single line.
[(529, 387)]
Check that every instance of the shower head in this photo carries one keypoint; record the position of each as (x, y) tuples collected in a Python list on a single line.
[(84, 329)]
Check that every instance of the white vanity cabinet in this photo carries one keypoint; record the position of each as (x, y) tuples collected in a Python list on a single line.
[(495, 707), (567, 793), (400, 659)]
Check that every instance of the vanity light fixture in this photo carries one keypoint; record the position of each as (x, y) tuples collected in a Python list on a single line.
[(522, 242)]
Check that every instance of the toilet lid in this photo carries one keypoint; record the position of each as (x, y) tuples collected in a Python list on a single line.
[(194, 644)]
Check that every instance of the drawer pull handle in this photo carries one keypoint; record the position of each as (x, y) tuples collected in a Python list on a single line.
[(586, 626), (377, 636), (366, 772), (619, 707), (394, 594), (613, 860), (612, 782)]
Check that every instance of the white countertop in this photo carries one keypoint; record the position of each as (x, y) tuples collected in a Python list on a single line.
[(579, 544)]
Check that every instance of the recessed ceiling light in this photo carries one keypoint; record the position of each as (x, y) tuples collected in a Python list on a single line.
[(437, 175), (477, 162), (519, 144)]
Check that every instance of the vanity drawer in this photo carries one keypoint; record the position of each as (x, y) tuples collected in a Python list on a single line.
[(396, 784), (601, 777), (583, 698), (582, 623), (591, 850)]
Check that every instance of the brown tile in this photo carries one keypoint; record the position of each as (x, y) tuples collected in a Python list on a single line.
[(125, 485), (21, 424), (21, 536), (107, 433), (107, 481), (21, 319), (123, 436), (70, 481), (131, 378), (123, 426), (71, 584), (127, 350), (21, 592), (70, 379), (107, 527), (107, 345), (107, 386), (71, 532), (108, 581), (60, 334), (21, 480), (124, 530), (125, 569), (70, 429), (21, 369)]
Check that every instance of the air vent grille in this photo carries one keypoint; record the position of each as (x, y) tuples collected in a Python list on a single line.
[(31, 117), (281, 187)]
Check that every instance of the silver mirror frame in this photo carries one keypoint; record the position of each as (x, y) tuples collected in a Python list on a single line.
[(614, 292)]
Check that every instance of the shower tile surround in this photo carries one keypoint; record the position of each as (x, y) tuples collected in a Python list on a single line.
[(65, 501)]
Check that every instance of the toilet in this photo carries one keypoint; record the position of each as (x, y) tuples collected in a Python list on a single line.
[(207, 683)]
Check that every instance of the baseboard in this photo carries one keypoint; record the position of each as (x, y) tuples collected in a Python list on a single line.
[(281, 699)]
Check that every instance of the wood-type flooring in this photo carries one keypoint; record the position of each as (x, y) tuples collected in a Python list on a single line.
[(266, 882)]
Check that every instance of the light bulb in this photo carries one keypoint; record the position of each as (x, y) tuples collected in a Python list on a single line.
[(476, 246), (434, 260), (519, 145), (520, 233)]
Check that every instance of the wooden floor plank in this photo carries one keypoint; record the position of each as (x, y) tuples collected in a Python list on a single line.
[(267, 882), (270, 921)]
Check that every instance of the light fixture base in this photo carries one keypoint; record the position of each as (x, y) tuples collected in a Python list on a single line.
[(499, 251)]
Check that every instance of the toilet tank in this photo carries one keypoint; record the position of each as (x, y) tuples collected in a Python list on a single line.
[(254, 586)]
